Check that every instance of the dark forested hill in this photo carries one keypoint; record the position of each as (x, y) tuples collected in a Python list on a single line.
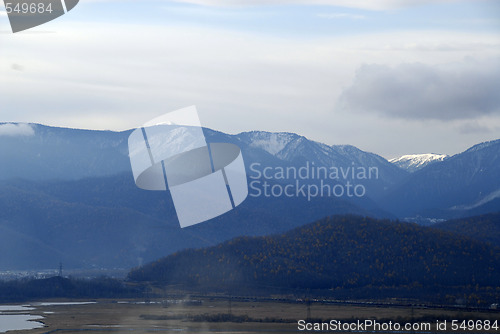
[(484, 228), (335, 252)]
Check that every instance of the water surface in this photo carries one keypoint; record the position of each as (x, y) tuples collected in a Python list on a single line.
[(13, 317)]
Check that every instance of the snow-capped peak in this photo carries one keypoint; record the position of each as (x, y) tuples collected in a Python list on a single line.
[(414, 162)]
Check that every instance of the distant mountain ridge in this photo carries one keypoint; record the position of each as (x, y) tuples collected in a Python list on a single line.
[(284, 146), (68, 195), (51, 153), (465, 184), (414, 162), (292, 147), (483, 145)]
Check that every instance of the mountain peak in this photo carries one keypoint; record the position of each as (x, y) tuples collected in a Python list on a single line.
[(484, 145), (414, 162)]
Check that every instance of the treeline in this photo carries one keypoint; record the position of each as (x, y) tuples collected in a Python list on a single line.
[(219, 317), (484, 227), (337, 253), (59, 287)]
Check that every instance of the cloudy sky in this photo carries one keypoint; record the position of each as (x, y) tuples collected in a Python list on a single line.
[(391, 76)]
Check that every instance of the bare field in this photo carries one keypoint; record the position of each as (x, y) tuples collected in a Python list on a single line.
[(135, 316)]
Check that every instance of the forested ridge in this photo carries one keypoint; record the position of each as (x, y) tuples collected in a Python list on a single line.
[(61, 287), (484, 227), (336, 252)]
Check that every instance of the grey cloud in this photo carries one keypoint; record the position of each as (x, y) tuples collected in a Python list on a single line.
[(473, 128), (419, 91), (17, 67)]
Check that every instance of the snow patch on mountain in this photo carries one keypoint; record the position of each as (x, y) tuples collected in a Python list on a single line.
[(414, 162), (272, 143), (488, 198)]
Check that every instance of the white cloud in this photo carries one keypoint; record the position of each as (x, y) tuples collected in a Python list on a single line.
[(361, 4), (465, 90), (12, 130), (3, 13), (342, 16), (116, 76)]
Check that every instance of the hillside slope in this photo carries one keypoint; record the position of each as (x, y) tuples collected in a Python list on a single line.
[(108, 222), (335, 252), (483, 228)]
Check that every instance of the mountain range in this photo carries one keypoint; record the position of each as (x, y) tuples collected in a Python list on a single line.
[(67, 195)]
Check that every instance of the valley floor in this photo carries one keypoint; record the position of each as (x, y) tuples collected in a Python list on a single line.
[(219, 315)]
